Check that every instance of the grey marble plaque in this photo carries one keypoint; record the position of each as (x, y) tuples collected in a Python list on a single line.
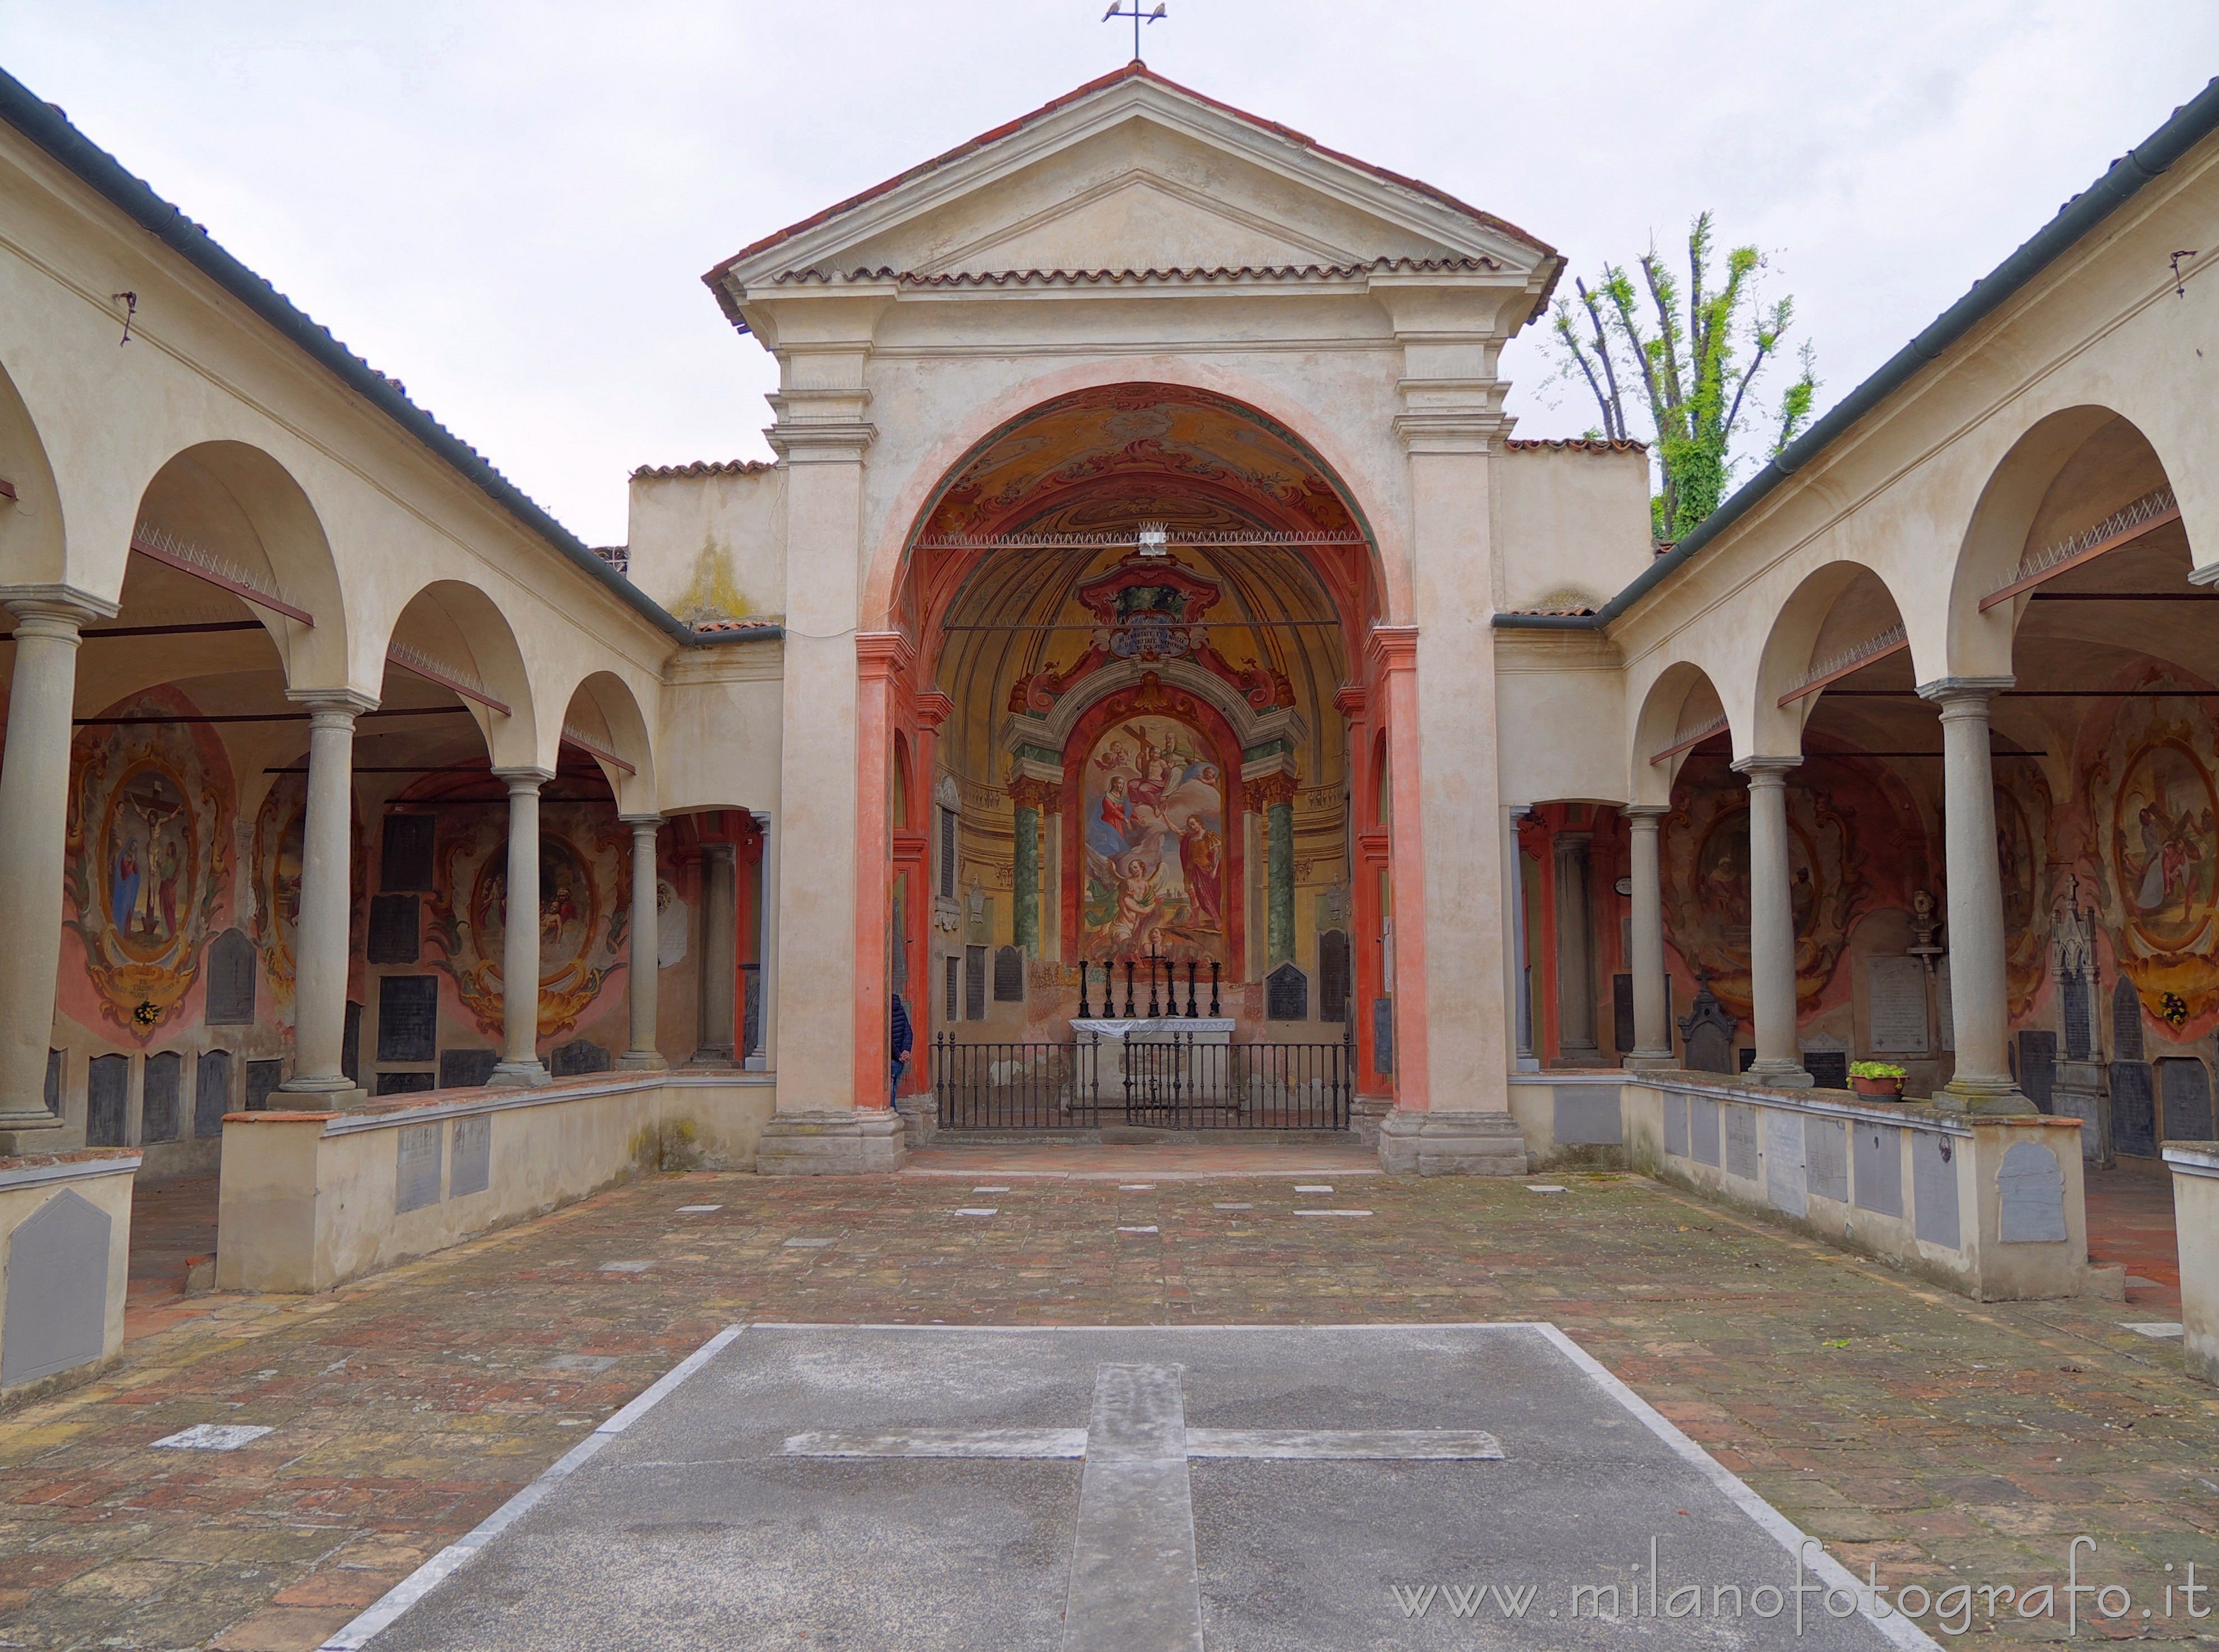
[(466, 1069), (1585, 1117), (264, 1079), (1009, 975), (1383, 1035), (1333, 976), (1703, 1129), (1896, 1006), (2185, 1084), (406, 1083), (107, 1097), (2134, 1109), (579, 1057), (1876, 1155), (1741, 1141), (55, 1060), (1826, 1158), (1675, 1125), (417, 1170), (2037, 1066), (974, 984), (1934, 1187), (1286, 994), (159, 1089), (2126, 1022), (396, 923), (1783, 1162), (234, 969), (1829, 1069), (2030, 1192), (404, 859), (56, 1312), (2073, 1014), (211, 1092), (407, 1018), (1621, 1012), (470, 1171)]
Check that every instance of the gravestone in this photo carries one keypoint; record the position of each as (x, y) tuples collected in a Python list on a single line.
[(2185, 1084), (2126, 1022), (751, 1007), (1333, 977), (2134, 1109), (57, 1314), (1826, 1158), (2037, 1067), (1741, 1141), (1622, 1013), (1829, 1069), (1785, 1182), (2030, 1193), (1587, 1117), (416, 1173), (1876, 1156), (1009, 975), (1707, 1031), (1676, 1124), (578, 1057), (404, 861), (974, 984), (211, 1092), (1383, 1035), (1286, 994), (351, 1044), (396, 923), (1702, 1130), (264, 1079), (407, 1017), (406, 1084), (159, 1088), (107, 1097), (54, 1062), (1896, 1007), (467, 1069), (234, 971), (1934, 1187), (470, 1169), (1745, 1060), (2073, 1014)]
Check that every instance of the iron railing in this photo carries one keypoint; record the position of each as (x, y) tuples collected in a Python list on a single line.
[(1174, 1082), (1014, 1086)]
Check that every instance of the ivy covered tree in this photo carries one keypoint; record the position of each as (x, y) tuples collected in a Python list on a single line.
[(1679, 355)]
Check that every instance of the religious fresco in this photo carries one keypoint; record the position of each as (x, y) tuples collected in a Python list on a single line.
[(274, 920), (2155, 804), (149, 860), (2022, 860), (583, 909), (1153, 806)]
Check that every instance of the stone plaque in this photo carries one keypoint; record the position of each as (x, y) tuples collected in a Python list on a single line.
[(1587, 1117), (751, 1035), (1934, 1187), (395, 923), (1877, 1155), (107, 1095), (2037, 1066), (1943, 1007), (407, 1017), (57, 1313), (2185, 1084), (1829, 1069), (470, 1171), (2134, 1109), (2073, 1012), (406, 1084), (2030, 1192), (1702, 1130), (211, 1092), (404, 861), (1383, 1035), (351, 1044), (417, 1174), (1333, 977), (264, 1079), (1675, 1125), (1621, 1012), (1008, 976), (1826, 1158), (1897, 1007), (234, 968), (54, 1062), (159, 1089), (578, 1057), (1286, 994), (2126, 1022), (1784, 1182), (974, 984), (466, 1069), (1741, 1141)]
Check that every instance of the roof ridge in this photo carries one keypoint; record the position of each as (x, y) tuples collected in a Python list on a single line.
[(704, 467), (1152, 273)]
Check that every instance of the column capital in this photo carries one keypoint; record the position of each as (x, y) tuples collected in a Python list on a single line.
[(1767, 770), (1645, 816), (56, 609), (933, 709), (525, 776), (883, 654), (1952, 691), (1349, 700), (642, 822), (333, 702), (1394, 648)]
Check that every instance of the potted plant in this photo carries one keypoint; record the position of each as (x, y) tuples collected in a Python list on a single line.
[(1882, 1080)]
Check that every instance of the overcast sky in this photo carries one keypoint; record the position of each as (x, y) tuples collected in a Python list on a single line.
[(508, 205)]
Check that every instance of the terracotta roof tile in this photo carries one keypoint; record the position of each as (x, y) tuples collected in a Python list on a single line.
[(1139, 277), (1572, 444), (1567, 613), (764, 625), (706, 468)]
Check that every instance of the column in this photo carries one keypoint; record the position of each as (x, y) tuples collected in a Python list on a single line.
[(34, 816), (1576, 1045), (1520, 953), (520, 1066), (327, 898), (1772, 926), (1979, 1009), (882, 661), (1652, 1030), (1027, 794), (758, 1060), (720, 871), (646, 945), (1276, 793)]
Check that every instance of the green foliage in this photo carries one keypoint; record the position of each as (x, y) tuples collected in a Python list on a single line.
[(1876, 1070), (1679, 349)]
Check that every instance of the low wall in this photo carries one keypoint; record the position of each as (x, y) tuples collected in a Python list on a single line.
[(64, 1262), (2195, 1166), (1991, 1205), (310, 1199)]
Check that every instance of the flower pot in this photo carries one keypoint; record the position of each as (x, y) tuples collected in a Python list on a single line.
[(1879, 1090)]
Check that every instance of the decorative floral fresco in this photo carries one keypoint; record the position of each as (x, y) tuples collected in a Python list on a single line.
[(149, 862), (274, 920), (1152, 796), (2154, 804), (584, 907)]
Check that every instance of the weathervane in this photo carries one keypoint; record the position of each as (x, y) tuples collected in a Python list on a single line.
[(1138, 17)]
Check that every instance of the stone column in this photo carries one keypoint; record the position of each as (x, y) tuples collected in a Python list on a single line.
[(1576, 1045), (1025, 919), (1520, 950), (1772, 926), (646, 947), (326, 898), (1652, 1029), (1980, 1007), (520, 1066), (33, 816), (1275, 792), (720, 938), (760, 1058)]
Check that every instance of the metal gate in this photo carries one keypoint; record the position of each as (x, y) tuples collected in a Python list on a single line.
[(1015, 1086), (1174, 1082)]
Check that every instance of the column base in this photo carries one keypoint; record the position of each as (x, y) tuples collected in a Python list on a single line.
[(1487, 1143), (920, 1113), (1651, 1061), (29, 1120), (712, 1055), (1364, 1114), (343, 1098), (1964, 1095), (1778, 1075), (641, 1061), (519, 1075), (850, 1141)]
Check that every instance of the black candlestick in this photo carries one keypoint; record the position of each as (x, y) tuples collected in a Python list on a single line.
[(1213, 989), (1128, 988), (1190, 988), (1085, 1014), (1153, 1011)]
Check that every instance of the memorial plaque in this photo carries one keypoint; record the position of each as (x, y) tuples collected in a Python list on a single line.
[(1943, 1008), (578, 1057), (1829, 1069), (407, 1017), (974, 984), (56, 1312), (1741, 1141), (159, 1087), (1675, 1125), (1784, 1182), (2030, 1192), (1826, 1158), (55, 1059), (1896, 1006), (1587, 1117), (751, 1033), (263, 1080), (107, 1095), (404, 861), (211, 1092), (2037, 1066), (406, 1084), (394, 924), (1877, 1155), (1934, 1187), (1286, 994), (1621, 1012), (1383, 1035), (351, 1044), (1710, 1048), (1702, 1130), (466, 1069), (1333, 977), (2185, 1085), (954, 998), (234, 969), (416, 1182), (2134, 1109), (1008, 976), (2126, 1022), (471, 1170), (2073, 1012)]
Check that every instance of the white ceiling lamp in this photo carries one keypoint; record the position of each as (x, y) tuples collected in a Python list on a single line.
[(1155, 539)]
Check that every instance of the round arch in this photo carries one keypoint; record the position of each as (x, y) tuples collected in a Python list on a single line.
[(603, 719), (451, 633), (1842, 616), (1681, 708), (32, 541)]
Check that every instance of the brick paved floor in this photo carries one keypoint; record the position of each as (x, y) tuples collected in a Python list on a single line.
[(1908, 1428), (2131, 1223)]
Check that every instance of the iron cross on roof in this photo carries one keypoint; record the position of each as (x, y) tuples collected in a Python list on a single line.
[(1133, 1583), (1138, 17)]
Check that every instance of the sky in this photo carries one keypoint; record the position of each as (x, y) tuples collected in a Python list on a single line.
[(508, 205)]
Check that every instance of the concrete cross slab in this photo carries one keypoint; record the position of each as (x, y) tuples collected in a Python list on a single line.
[(1003, 1187), (979, 1210), (1313, 1187), (1233, 1207), (1135, 1489), (1136, 1230), (2154, 1328), (627, 1267), (697, 1210), (1545, 1187), (1332, 1212), (807, 1244), (213, 1437)]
